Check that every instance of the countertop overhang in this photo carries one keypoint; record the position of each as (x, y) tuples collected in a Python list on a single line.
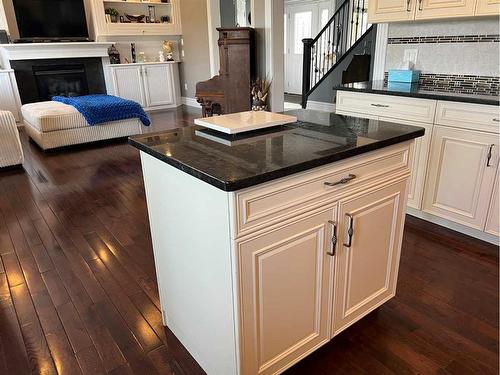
[(380, 87), (234, 163)]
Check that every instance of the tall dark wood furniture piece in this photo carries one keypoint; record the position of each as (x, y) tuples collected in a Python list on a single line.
[(229, 92)]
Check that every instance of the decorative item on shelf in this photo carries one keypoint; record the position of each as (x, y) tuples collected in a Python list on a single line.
[(122, 19), (152, 13), (113, 14), (136, 18), (114, 55), (132, 51), (161, 56), (168, 48), (148, 20), (165, 19), (142, 57), (165, 1), (260, 94)]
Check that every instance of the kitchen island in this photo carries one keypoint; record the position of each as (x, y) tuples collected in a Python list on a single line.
[(270, 243)]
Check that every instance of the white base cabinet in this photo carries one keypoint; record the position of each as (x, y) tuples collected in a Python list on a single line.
[(153, 86), (455, 171), (461, 176), (275, 271)]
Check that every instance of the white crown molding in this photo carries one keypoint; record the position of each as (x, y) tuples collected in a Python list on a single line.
[(38, 51)]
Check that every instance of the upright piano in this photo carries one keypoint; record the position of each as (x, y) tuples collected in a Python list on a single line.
[(229, 92)]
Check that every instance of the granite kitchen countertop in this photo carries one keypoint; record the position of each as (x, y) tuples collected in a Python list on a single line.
[(235, 162), (380, 87)]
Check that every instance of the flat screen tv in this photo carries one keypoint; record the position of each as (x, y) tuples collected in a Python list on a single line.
[(52, 20)]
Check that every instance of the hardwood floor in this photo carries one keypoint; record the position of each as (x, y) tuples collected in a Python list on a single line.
[(78, 291)]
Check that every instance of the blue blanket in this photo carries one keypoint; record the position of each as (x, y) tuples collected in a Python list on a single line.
[(98, 109)]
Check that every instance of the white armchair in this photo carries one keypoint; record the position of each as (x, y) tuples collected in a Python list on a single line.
[(11, 152)]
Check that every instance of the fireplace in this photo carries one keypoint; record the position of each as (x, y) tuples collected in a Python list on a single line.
[(63, 80), (40, 80)]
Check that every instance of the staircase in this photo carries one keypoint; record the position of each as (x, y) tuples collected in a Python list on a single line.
[(323, 54)]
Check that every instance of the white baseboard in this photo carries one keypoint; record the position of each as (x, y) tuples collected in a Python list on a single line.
[(190, 102), (289, 106), (320, 106), (454, 226), (311, 104)]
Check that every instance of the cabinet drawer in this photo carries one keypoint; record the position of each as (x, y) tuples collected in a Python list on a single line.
[(469, 116), (413, 109), (261, 205)]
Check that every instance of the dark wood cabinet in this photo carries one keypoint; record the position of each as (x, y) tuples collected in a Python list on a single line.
[(229, 92)]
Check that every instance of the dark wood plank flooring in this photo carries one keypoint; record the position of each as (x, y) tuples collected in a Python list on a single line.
[(78, 292)]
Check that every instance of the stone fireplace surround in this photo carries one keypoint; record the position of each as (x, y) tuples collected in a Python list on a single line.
[(22, 58)]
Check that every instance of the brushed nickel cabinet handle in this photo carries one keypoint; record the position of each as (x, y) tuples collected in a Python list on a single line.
[(420, 5), (408, 6), (488, 160), (334, 238), (380, 105), (343, 181), (496, 119), (350, 231)]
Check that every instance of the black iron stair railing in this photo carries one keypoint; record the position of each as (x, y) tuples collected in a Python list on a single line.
[(342, 32)]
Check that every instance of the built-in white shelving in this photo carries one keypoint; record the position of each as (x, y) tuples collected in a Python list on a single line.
[(168, 15)]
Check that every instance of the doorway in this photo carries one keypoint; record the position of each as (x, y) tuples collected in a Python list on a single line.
[(302, 19)]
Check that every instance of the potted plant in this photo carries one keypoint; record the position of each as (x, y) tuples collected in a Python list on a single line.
[(113, 14), (260, 94)]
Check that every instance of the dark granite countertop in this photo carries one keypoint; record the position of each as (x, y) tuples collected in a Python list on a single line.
[(235, 162), (415, 91)]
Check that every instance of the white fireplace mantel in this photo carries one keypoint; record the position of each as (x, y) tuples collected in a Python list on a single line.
[(38, 51)]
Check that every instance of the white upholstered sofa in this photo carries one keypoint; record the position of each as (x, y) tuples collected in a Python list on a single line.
[(11, 152), (53, 124)]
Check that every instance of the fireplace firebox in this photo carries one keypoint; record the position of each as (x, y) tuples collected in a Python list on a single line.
[(40, 80), (65, 80)]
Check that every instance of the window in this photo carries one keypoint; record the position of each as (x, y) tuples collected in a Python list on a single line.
[(303, 28), (324, 17)]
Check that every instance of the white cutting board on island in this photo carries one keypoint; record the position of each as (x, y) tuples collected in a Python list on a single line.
[(236, 123)]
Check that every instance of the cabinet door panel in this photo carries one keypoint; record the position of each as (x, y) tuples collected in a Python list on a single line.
[(460, 179), (391, 10), (419, 165), (285, 293), (487, 7), (158, 85), (493, 221), (127, 82), (366, 271), (430, 9)]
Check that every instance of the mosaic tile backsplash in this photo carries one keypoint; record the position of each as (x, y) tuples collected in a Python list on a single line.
[(466, 84)]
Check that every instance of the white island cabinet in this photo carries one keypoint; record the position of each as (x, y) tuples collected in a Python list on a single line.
[(253, 280)]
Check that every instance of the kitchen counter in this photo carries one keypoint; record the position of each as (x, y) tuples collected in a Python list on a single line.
[(380, 87), (231, 163)]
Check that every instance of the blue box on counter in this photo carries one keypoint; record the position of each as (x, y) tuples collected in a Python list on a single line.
[(396, 75), (402, 86)]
